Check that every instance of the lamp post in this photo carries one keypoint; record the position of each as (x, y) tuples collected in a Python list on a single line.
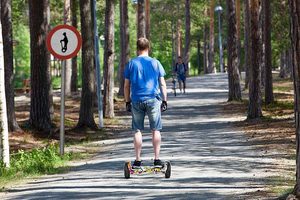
[(219, 10)]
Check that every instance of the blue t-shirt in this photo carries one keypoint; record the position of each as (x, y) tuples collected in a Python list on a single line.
[(144, 72)]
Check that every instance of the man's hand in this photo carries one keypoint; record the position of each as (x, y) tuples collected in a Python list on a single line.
[(128, 106), (164, 106)]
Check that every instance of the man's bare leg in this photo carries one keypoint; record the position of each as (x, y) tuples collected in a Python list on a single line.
[(184, 87), (138, 145), (156, 140), (180, 86)]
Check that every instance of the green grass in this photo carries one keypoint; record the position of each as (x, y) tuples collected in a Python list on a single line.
[(35, 162), (282, 186), (282, 88), (280, 105)]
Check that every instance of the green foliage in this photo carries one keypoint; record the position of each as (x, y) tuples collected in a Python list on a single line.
[(163, 14), (21, 54), (38, 161), (57, 12), (280, 29), (19, 9)]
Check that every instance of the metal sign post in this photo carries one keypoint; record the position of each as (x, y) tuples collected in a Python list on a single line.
[(63, 42), (62, 108)]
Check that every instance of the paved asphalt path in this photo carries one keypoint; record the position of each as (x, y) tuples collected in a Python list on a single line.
[(210, 159)]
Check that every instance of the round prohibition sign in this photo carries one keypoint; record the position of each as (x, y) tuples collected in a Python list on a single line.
[(64, 41)]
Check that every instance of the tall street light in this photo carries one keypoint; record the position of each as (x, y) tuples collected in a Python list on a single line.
[(219, 10)]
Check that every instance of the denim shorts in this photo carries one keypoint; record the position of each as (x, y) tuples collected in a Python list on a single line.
[(181, 77), (151, 108)]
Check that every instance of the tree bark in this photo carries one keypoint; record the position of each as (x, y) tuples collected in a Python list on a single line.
[(109, 54), (187, 33), (4, 143), (282, 73), (141, 19), (289, 63), (205, 52), (295, 41), (286, 65), (8, 61), (40, 66), (173, 44), (199, 55), (67, 20), (247, 43), (147, 13), (74, 77), (254, 110), (238, 25), (211, 66), (178, 39), (124, 43), (86, 115), (269, 98), (232, 43), (262, 42)]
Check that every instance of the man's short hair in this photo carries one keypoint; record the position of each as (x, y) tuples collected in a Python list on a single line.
[(142, 44)]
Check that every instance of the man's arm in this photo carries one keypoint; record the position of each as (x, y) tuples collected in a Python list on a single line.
[(163, 87), (127, 90)]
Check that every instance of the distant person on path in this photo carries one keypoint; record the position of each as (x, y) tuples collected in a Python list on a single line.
[(180, 69), (144, 76)]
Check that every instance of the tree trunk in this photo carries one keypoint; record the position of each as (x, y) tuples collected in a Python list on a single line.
[(141, 19), (254, 110), (247, 43), (269, 98), (198, 56), (124, 43), (173, 44), (232, 43), (295, 41), (4, 143), (178, 39), (262, 42), (67, 20), (286, 64), (109, 54), (290, 62), (187, 33), (147, 13), (86, 115), (74, 77), (283, 68), (211, 66), (40, 66), (238, 26), (205, 53), (8, 61)]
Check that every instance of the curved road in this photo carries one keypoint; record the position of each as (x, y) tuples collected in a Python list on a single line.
[(210, 159)]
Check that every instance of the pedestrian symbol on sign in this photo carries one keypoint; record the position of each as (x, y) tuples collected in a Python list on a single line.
[(64, 43)]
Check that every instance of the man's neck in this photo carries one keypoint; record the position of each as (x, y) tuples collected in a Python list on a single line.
[(143, 53)]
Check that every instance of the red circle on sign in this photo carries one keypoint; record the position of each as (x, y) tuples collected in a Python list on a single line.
[(51, 33)]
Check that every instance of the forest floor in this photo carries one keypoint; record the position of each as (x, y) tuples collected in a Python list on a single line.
[(29, 139), (275, 132)]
